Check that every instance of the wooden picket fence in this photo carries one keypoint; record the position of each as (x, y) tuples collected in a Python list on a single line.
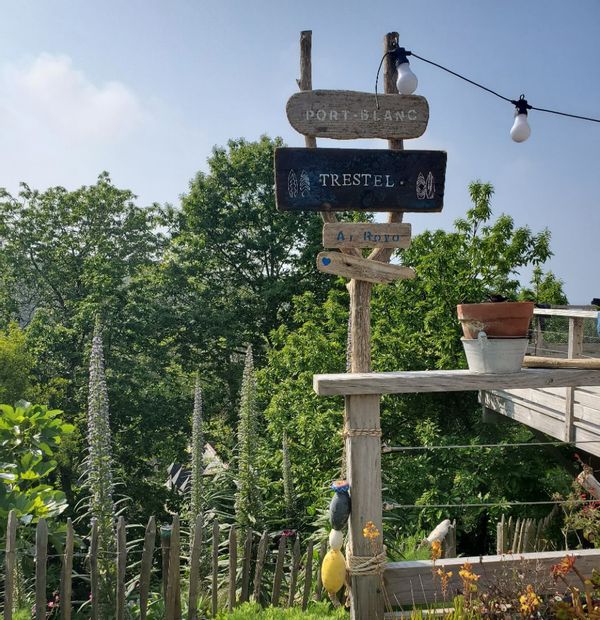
[(296, 577), (522, 535)]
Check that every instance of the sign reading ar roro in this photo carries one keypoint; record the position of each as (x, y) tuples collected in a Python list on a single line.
[(359, 180)]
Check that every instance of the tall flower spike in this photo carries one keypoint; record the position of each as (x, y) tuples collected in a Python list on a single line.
[(197, 454), (99, 475), (288, 483), (246, 499)]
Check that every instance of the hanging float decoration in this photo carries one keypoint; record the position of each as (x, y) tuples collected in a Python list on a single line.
[(333, 568)]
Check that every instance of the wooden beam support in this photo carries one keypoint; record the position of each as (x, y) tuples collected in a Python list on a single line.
[(449, 381), (364, 475), (575, 349)]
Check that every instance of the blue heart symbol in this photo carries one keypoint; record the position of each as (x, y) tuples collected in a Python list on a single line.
[(326, 261)]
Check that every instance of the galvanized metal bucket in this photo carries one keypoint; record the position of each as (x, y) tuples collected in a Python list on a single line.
[(492, 356)]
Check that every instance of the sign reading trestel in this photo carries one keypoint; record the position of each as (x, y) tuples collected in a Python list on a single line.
[(347, 114), (359, 180)]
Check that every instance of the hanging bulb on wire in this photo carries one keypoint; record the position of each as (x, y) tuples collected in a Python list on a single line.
[(520, 130), (407, 81)]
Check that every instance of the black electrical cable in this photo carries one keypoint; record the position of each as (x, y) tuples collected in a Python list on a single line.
[(474, 83)]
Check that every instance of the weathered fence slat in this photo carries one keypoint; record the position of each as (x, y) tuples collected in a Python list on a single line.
[(41, 557), (173, 602), (94, 577), (319, 588), (307, 575), (146, 566), (10, 564), (66, 581), (165, 552), (449, 542), (500, 536), (232, 567), (215, 569), (278, 572), (246, 566), (294, 571), (260, 562), (195, 569), (121, 568)]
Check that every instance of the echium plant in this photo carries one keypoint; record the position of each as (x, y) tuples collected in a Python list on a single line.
[(197, 455), (98, 474), (288, 483), (246, 498)]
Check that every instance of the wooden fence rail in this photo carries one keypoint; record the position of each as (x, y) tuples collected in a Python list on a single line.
[(230, 568)]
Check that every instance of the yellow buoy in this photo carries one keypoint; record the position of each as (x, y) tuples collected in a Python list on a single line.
[(333, 571)]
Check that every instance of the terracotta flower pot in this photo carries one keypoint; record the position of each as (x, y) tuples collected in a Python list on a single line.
[(507, 319)]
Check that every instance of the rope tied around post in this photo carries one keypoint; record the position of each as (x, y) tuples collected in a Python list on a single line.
[(361, 432), (361, 565)]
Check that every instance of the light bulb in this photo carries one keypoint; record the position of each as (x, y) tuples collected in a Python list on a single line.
[(407, 81), (520, 130)]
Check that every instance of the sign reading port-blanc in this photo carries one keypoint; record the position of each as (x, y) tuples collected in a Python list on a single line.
[(347, 114), (359, 180)]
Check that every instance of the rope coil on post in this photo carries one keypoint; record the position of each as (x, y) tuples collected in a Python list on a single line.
[(359, 565), (361, 432)]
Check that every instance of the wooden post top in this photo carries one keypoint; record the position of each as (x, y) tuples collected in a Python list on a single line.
[(448, 381)]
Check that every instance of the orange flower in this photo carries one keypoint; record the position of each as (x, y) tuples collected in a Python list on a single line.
[(564, 566), (436, 550), (444, 579), (530, 601), (370, 531)]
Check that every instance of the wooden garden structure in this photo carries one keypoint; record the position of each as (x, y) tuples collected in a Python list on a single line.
[(372, 579), (362, 393)]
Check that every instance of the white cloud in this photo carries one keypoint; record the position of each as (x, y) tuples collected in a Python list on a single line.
[(49, 99)]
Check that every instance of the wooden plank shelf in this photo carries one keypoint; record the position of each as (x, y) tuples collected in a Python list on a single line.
[(449, 381)]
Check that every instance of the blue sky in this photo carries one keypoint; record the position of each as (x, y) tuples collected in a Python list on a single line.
[(144, 89)]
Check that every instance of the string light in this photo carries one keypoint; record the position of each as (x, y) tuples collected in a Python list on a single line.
[(407, 81), (407, 84)]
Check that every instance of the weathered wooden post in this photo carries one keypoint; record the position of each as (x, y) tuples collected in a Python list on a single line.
[(367, 180)]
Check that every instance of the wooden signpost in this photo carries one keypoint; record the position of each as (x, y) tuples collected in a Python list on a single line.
[(330, 180), (348, 266), (347, 114), (345, 235), (359, 180)]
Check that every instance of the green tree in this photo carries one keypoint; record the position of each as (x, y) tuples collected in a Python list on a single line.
[(235, 263), (66, 257), (15, 364)]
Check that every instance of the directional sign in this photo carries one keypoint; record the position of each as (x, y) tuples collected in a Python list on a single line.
[(348, 266), (347, 114), (359, 180), (345, 235)]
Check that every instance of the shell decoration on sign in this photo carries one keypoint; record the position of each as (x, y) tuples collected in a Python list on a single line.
[(304, 184), (292, 184)]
